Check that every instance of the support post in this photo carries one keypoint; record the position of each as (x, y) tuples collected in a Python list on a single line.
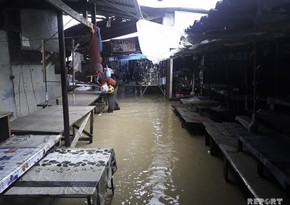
[(255, 83), (44, 70), (63, 78), (169, 78), (93, 14)]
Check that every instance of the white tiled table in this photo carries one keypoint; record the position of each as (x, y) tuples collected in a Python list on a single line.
[(74, 172), (19, 153)]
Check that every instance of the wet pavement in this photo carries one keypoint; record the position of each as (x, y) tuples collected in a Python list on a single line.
[(159, 162)]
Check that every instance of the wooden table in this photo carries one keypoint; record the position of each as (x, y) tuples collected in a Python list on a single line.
[(69, 173), (50, 121), (270, 152)]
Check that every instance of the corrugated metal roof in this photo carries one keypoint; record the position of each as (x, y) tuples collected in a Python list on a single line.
[(237, 22), (118, 7)]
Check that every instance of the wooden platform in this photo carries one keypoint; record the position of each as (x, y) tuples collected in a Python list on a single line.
[(272, 153), (225, 137), (189, 116), (223, 134), (244, 165)]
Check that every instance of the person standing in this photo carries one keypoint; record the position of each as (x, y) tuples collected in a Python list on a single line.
[(113, 90)]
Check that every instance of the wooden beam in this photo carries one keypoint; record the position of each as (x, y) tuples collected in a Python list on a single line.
[(69, 11), (80, 131)]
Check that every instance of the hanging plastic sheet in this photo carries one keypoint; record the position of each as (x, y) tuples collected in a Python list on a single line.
[(156, 40)]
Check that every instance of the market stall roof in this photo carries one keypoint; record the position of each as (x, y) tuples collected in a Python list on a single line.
[(121, 8), (240, 22)]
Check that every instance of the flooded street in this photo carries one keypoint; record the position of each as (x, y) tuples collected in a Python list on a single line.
[(159, 162)]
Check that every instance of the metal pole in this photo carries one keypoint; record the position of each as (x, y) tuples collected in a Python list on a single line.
[(44, 70), (255, 82), (93, 14), (276, 69), (245, 66), (63, 79), (73, 69), (169, 79)]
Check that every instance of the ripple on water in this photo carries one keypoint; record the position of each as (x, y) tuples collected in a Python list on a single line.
[(154, 185)]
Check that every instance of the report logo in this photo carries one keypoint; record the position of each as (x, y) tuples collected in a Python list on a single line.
[(264, 201)]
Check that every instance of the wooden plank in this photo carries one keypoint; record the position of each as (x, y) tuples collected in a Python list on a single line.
[(60, 5), (272, 152), (245, 166), (244, 120)]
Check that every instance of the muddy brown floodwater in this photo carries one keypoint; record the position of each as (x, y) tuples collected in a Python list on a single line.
[(159, 162)]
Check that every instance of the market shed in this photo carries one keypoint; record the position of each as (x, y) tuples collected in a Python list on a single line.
[(238, 36), (242, 50)]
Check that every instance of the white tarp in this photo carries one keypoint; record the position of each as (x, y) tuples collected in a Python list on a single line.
[(156, 40)]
